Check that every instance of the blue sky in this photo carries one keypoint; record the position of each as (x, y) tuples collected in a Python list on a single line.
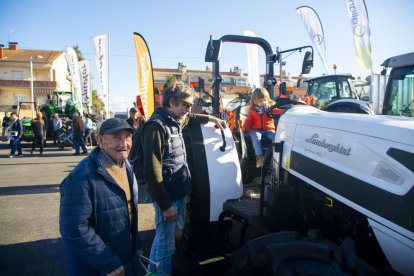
[(178, 31)]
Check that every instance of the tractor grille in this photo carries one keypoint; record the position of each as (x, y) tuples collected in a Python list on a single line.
[(27, 128)]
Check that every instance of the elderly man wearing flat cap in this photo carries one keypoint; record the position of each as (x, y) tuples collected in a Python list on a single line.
[(98, 208)]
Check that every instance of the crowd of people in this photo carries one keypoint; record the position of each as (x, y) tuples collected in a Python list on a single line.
[(12, 131), (99, 198)]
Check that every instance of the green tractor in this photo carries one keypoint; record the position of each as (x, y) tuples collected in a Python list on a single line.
[(25, 113), (60, 102)]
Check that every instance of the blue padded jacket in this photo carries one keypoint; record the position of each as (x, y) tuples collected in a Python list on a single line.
[(94, 221)]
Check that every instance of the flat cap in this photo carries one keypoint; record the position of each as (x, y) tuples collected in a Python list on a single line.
[(113, 125), (133, 110)]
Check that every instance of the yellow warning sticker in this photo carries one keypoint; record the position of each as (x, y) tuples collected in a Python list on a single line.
[(287, 164)]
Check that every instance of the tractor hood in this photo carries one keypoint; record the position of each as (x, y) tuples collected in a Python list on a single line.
[(26, 121), (392, 128)]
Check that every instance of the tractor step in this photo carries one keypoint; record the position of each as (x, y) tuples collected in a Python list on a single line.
[(244, 210)]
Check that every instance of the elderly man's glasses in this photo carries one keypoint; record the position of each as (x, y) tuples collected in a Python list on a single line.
[(186, 103)]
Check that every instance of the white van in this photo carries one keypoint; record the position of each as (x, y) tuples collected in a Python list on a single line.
[(121, 115)]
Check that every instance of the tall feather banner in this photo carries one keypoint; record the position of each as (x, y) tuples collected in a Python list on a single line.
[(314, 27), (358, 16)]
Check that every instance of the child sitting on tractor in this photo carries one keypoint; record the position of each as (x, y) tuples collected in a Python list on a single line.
[(257, 123)]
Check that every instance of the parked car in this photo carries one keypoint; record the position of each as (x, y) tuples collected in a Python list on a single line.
[(121, 115)]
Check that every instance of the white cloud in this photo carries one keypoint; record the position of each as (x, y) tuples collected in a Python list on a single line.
[(120, 104)]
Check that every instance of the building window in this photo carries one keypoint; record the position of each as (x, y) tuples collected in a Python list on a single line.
[(40, 77), (242, 82), (19, 98), (17, 75), (226, 81), (160, 79)]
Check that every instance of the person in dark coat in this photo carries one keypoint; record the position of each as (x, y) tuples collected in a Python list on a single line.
[(135, 119), (38, 127), (5, 124), (16, 130), (78, 131), (99, 208)]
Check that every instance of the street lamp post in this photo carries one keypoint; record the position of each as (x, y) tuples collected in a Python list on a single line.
[(31, 82)]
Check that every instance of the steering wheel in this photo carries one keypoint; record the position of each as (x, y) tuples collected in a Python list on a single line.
[(281, 106)]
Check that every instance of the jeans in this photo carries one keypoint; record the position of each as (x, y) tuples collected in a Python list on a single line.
[(163, 246), (15, 143), (78, 143), (88, 133), (38, 139), (257, 136), (4, 134)]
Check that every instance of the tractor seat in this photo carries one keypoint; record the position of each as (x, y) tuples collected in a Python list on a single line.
[(241, 114)]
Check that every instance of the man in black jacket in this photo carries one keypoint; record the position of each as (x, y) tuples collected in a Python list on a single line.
[(38, 127), (78, 131), (16, 132), (5, 124)]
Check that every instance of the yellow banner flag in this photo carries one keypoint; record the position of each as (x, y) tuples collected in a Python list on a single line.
[(145, 76)]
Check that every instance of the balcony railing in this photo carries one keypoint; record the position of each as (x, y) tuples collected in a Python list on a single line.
[(26, 79), (26, 83)]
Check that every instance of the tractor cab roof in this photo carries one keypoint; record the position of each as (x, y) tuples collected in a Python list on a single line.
[(399, 61), (327, 76)]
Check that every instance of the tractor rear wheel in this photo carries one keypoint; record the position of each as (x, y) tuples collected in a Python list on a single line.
[(286, 253), (46, 119), (64, 127)]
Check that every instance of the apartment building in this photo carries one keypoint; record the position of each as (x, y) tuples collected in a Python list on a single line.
[(49, 73), (234, 80)]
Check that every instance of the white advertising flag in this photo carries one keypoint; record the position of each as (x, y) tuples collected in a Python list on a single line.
[(102, 63), (253, 60), (85, 75), (75, 78), (314, 27), (358, 16)]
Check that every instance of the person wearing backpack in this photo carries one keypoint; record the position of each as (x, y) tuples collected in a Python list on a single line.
[(165, 166)]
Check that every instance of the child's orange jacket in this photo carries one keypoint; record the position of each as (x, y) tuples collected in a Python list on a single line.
[(256, 121)]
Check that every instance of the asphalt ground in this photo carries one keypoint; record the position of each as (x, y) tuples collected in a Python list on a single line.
[(30, 242)]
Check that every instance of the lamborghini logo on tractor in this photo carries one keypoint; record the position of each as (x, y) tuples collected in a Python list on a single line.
[(330, 147)]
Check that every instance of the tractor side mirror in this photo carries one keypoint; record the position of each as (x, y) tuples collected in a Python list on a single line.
[(213, 50), (307, 63), (384, 72), (299, 83)]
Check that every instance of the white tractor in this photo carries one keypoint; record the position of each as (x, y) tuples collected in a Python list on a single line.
[(336, 190)]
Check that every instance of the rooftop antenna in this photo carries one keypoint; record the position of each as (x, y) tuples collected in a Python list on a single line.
[(14, 32), (8, 34)]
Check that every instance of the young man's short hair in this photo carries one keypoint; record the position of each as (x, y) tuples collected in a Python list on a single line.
[(176, 90)]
